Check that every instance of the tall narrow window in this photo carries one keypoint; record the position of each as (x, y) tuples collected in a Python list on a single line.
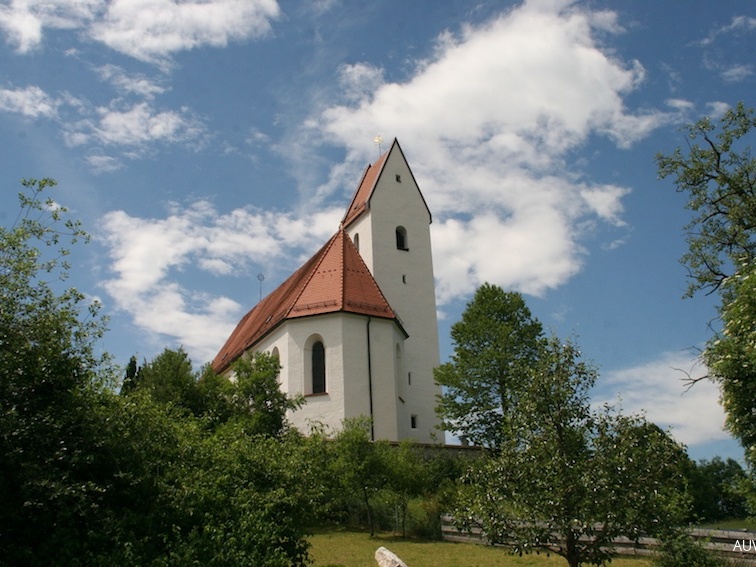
[(357, 241), (318, 368), (401, 238)]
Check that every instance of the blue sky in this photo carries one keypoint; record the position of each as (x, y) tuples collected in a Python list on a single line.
[(205, 142)]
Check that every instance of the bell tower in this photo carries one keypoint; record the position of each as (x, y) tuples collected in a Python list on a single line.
[(389, 222)]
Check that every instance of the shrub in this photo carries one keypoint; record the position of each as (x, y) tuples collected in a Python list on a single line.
[(680, 550)]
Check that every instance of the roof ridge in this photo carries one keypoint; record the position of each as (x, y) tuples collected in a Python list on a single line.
[(362, 264), (356, 205), (354, 197)]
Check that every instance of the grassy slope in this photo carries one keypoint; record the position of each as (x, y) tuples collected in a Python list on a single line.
[(354, 549)]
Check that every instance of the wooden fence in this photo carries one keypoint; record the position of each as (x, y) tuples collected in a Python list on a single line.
[(733, 544)]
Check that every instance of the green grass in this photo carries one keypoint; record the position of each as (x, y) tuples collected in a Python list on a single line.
[(357, 549)]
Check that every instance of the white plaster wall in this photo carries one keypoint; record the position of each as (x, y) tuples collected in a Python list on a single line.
[(406, 279), (327, 408), (347, 380), (382, 334), (362, 226)]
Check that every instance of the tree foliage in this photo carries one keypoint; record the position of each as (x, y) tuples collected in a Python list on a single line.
[(88, 477), (253, 395), (49, 436), (564, 469), (168, 377), (715, 488), (731, 357), (680, 549), (258, 394), (495, 343), (359, 465), (718, 173)]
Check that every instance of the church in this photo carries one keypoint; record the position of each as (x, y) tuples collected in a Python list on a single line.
[(355, 327)]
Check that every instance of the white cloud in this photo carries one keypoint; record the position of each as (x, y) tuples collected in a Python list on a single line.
[(24, 20), (136, 84), (717, 108), (470, 252), (489, 123), (146, 254), (738, 24), (138, 125), (658, 389), (103, 164), (148, 30), (737, 73), (606, 202), (152, 30), (679, 104), (359, 80), (30, 101)]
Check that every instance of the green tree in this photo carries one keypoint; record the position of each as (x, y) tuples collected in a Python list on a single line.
[(215, 395), (718, 173), (247, 499), (360, 465), (565, 469), (679, 549), (169, 378), (189, 495), (495, 343), (51, 426), (408, 476), (730, 357), (258, 394), (88, 477), (715, 487), (131, 376), (150, 449)]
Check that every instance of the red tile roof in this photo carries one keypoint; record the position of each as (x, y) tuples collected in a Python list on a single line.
[(365, 190), (334, 279)]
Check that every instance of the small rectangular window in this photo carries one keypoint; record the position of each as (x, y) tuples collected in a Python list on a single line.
[(413, 421), (398, 178), (401, 238), (409, 378)]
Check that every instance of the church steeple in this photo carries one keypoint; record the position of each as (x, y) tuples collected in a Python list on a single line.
[(370, 179), (390, 219)]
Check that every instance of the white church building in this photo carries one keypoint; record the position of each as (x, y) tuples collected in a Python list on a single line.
[(355, 327)]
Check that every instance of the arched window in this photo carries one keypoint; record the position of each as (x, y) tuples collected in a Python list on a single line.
[(318, 368), (274, 353), (401, 238), (357, 241)]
